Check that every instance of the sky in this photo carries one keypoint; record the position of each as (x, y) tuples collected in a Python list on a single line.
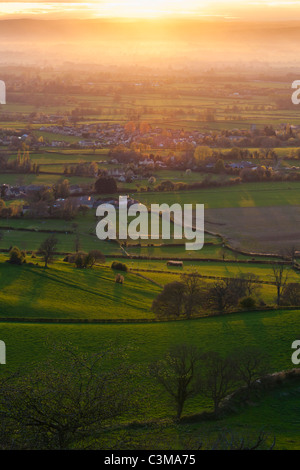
[(232, 9)]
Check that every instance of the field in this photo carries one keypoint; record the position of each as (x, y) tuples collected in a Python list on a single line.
[(245, 195), (253, 217), (31, 291), (271, 331), (86, 307), (61, 293), (258, 229)]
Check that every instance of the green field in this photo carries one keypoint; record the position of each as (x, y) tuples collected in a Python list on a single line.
[(272, 332), (60, 292), (66, 292), (245, 195), (86, 307)]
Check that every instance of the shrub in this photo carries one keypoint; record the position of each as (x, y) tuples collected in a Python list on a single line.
[(85, 260), (16, 256), (118, 266), (248, 303), (80, 260)]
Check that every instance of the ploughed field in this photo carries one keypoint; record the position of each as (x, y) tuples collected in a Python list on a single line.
[(258, 229)]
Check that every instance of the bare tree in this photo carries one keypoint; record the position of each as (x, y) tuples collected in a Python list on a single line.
[(250, 364), (281, 274), (227, 440), (218, 377), (291, 294), (69, 400), (251, 283), (290, 253), (47, 249), (178, 373), (225, 294)]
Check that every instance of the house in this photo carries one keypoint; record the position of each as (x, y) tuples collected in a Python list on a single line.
[(85, 201)]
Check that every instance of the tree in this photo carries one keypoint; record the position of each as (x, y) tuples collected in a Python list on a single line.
[(227, 440), (291, 294), (169, 303), (16, 256), (194, 293), (251, 283), (280, 274), (93, 257), (250, 364), (218, 377), (79, 259), (202, 153), (225, 294), (178, 373), (219, 166), (182, 297), (47, 249), (77, 243), (70, 398), (130, 127), (106, 185), (291, 254)]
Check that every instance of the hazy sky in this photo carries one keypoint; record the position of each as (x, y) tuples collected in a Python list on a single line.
[(258, 10)]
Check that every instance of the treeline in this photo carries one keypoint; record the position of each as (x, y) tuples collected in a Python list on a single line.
[(82, 169), (192, 296), (47, 251), (207, 182), (22, 164)]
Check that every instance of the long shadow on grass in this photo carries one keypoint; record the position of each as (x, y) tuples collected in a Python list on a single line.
[(61, 281), (7, 280)]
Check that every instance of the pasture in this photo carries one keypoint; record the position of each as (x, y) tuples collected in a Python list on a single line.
[(273, 332)]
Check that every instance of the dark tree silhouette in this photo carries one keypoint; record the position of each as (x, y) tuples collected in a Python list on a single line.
[(47, 249)]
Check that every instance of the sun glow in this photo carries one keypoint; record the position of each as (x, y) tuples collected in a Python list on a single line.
[(147, 8), (104, 8), (255, 9)]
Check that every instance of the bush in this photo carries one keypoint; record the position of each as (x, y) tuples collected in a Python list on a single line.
[(118, 266), (248, 303), (85, 260), (80, 260), (16, 256)]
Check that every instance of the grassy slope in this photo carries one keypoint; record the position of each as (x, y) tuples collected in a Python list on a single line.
[(273, 332), (64, 292)]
